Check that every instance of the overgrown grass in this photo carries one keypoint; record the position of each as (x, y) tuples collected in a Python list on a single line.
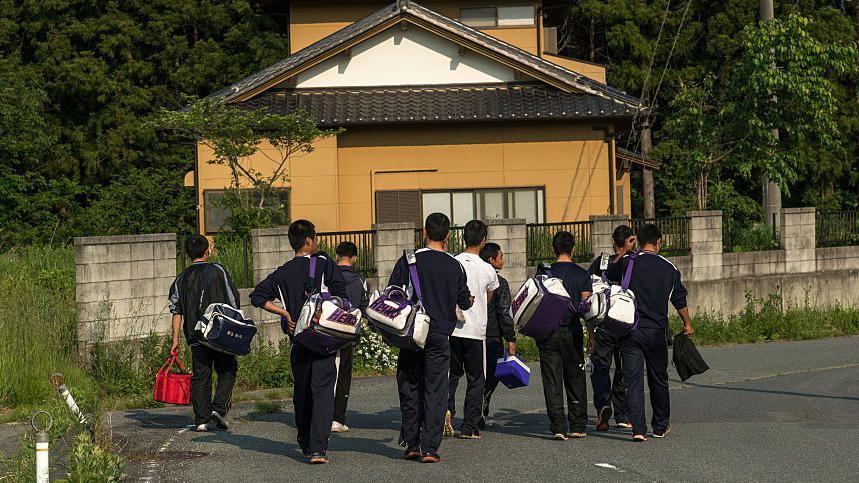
[(765, 320), (267, 407), (38, 325)]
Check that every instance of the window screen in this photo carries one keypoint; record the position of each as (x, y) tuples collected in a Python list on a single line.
[(521, 16), (478, 17)]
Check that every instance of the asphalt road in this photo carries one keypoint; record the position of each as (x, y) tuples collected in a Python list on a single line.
[(779, 411)]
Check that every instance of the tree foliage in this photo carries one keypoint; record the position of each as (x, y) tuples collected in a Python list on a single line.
[(236, 136), (663, 50), (86, 72), (782, 98)]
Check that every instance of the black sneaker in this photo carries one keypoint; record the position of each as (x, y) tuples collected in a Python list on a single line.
[(220, 421), (661, 434), (472, 435)]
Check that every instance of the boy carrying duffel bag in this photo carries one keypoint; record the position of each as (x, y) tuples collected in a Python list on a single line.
[(199, 286)]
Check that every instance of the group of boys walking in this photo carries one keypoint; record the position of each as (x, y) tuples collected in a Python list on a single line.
[(470, 329)]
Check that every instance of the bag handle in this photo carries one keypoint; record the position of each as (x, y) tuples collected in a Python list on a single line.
[(627, 277), (412, 260), (173, 358)]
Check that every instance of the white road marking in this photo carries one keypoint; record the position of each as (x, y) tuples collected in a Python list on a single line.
[(608, 466), (152, 466)]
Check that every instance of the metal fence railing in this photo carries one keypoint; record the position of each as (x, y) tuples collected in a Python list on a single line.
[(837, 228), (538, 241), (455, 244), (365, 240), (675, 233)]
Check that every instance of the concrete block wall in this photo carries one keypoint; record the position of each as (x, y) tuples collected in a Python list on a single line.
[(705, 241), (747, 264), (122, 285), (510, 234), (602, 228), (271, 249), (798, 240), (837, 258), (391, 240)]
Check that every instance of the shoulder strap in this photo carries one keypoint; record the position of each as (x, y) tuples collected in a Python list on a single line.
[(310, 287), (627, 277), (412, 260)]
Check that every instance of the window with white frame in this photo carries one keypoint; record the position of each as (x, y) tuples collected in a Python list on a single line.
[(486, 204), (489, 17)]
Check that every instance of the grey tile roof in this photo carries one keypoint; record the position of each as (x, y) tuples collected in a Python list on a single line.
[(415, 11), (409, 104)]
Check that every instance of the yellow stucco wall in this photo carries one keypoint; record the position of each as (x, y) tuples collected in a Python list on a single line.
[(334, 185)]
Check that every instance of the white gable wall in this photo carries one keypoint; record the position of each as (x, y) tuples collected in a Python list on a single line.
[(398, 57)]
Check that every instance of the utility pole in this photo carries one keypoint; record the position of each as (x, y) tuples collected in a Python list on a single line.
[(771, 192), (646, 174)]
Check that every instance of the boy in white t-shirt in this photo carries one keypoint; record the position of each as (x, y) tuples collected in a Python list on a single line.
[(468, 341)]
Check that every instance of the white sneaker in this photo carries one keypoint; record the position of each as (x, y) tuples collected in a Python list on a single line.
[(202, 428), (559, 437), (339, 428), (220, 421)]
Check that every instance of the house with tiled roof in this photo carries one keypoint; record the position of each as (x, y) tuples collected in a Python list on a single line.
[(462, 107)]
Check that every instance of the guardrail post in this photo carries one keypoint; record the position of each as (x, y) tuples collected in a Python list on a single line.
[(705, 243)]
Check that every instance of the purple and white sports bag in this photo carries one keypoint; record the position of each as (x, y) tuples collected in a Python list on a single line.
[(327, 323), (540, 306), (401, 322), (612, 307)]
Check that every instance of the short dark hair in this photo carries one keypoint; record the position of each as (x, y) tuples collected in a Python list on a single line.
[(489, 251), (474, 233), (196, 246), (437, 226), (299, 232), (649, 234), (620, 234), (346, 249), (563, 243)]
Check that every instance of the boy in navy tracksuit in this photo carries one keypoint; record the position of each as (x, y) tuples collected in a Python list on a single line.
[(562, 355), (313, 374), (356, 292), (422, 376), (655, 281), (499, 326), (603, 347)]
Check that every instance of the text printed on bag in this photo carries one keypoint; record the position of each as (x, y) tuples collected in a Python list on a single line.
[(520, 299)]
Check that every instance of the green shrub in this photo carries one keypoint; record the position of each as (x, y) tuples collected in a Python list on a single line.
[(266, 366), (89, 462)]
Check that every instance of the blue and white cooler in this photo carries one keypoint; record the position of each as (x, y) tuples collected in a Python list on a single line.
[(512, 372)]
